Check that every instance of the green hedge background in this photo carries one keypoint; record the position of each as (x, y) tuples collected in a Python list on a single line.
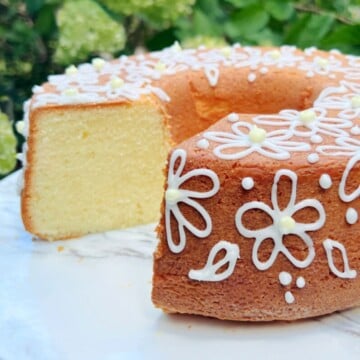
[(41, 37)]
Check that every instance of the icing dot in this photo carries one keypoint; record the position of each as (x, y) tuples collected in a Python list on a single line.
[(300, 282), (257, 135), (352, 216), (355, 130), (275, 54), (233, 117), (285, 278), (176, 47), (172, 196), (20, 126), (325, 181), (247, 183), (71, 70), (251, 77), (313, 158), (70, 92), (316, 139), (310, 74), (289, 297), (116, 82), (226, 51), (264, 70), (202, 144), (287, 224), (160, 66), (355, 101), (98, 63), (307, 116), (332, 76), (322, 63)]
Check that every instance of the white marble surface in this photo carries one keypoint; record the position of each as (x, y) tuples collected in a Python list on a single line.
[(92, 301)]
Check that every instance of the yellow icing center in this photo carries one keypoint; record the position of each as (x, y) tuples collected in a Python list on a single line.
[(323, 63), (172, 196), (287, 224), (98, 63), (70, 92), (257, 135), (275, 54), (307, 116), (355, 101), (226, 51), (116, 83), (160, 66), (176, 47), (71, 70), (20, 126)]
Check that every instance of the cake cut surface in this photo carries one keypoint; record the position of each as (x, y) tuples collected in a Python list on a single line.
[(94, 169)]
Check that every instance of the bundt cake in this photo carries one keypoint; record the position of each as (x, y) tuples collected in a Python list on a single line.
[(260, 209), (260, 212)]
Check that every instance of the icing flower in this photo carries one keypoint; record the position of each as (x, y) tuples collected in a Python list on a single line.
[(322, 65), (345, 98), (174, 195), (345, 146), (283, 57), (283, 224), (307, 123), (247, 138)]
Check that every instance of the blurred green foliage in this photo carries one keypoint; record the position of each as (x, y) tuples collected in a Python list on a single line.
[(7, 146), (41, 37)]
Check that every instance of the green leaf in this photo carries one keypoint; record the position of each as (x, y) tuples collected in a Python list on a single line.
[(265, 37), (242, 3), (203, 25), (34, 6), (200, 24), (279, 9), (345, 38), (246, 21), (7, 146), (45, 22), (309, 30), (212, 8)]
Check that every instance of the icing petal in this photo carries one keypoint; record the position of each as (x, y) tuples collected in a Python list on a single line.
[(210, 270), (329, 246)]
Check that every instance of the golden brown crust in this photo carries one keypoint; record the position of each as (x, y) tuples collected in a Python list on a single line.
[(250, 294)]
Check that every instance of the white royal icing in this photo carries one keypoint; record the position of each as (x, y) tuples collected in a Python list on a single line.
[(210, 271), (351, 216), (300, 282), (329, 246), (248, 138), (283, 224), (202, 144), (285, 278), (325, 181), (247, 183), (175, 195), (289, 297)]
